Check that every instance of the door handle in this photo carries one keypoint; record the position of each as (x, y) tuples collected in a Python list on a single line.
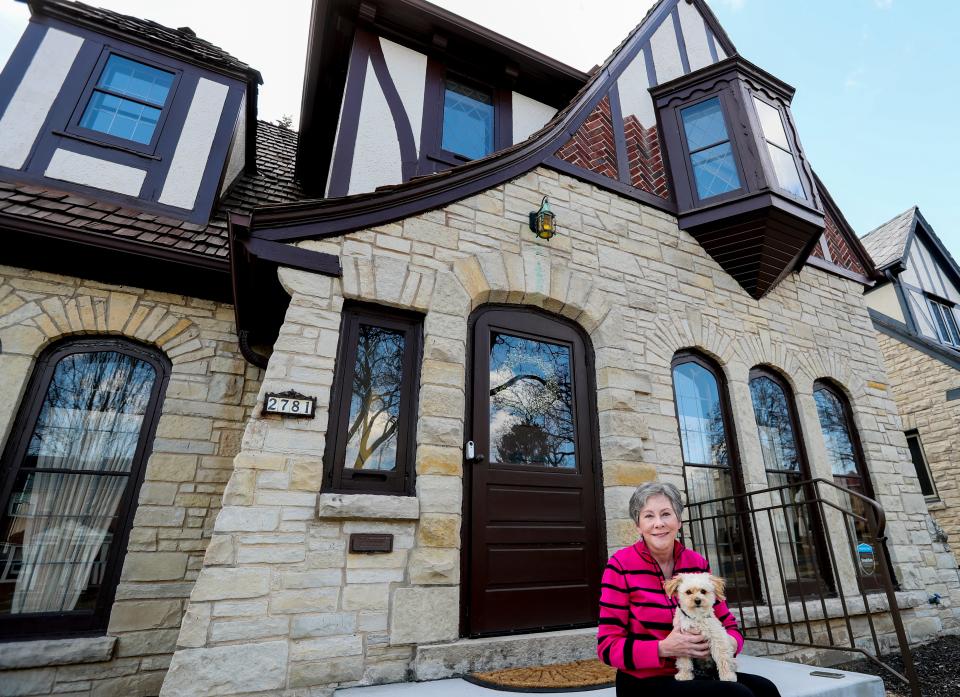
[(470, 452)]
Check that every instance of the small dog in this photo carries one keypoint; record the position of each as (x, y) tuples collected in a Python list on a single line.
[(696, 594)]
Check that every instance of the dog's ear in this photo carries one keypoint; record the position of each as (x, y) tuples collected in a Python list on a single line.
[(671, 586), (719, 587)]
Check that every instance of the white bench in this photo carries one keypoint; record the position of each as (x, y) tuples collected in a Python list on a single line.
[(793, 680)]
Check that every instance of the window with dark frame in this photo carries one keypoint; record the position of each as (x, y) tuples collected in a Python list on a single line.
[(125, 102), (945, 322), (796, 526), (468, 120), (371, 436), (70, 477), (849, 467), (709, 148), (920, 464), (711, 471)]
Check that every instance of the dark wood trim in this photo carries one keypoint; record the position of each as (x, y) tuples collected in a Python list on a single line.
[(681, 42), (716, 29), (838, 270), (609, 184), (328, 218), (937, 249), (55, 625), (408, 145), (849, 235), (896, 330), (904, 301), (619, 136), (402, 480), (349, 123)]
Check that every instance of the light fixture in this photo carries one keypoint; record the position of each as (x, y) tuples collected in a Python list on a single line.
[(543, 221)]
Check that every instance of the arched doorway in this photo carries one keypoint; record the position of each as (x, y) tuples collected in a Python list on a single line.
[(534, 537)]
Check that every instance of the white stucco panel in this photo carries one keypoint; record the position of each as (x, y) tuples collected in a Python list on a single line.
[(884, 299), (666, 52), (529, 116), (408, 69), (193, 149), (634, 97), (376, 159), (91, 171), (24, 116), (694, 36)]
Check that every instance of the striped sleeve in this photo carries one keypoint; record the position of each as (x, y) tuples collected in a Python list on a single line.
[(729, 622), (615, 645)]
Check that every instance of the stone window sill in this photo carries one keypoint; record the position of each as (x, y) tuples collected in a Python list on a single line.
[(936, 505), (368, 506), (56, 652)]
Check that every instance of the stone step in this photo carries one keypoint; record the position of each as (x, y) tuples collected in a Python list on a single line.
[(792, 679)]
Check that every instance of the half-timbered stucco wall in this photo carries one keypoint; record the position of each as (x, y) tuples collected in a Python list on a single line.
[(282, 608), (206, 405)]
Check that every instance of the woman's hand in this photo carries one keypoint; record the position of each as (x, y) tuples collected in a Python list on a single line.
[(681, 644)]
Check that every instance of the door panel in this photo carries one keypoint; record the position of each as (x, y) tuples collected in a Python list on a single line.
[(535, 559)]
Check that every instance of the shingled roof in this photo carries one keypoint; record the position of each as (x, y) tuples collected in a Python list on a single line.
[(887, 243), (272, 184), (182, 41)]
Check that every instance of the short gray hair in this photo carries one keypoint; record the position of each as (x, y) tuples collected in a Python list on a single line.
[(645, 491)]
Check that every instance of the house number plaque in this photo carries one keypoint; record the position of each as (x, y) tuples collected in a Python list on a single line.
[(290, 403)]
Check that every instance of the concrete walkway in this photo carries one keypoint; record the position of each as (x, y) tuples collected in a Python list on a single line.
[(793, 679)]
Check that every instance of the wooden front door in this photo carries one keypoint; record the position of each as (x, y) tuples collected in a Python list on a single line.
[(535, 546)]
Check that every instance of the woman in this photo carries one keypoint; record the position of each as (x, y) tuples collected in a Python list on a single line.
[(636, 633)]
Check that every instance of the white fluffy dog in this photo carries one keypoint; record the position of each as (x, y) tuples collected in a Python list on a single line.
[(696, 594)]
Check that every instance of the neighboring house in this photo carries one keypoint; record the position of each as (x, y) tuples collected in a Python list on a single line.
[(482, 399), (914, 309)]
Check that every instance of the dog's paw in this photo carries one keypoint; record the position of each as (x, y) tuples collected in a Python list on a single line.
[(685, 675), (728, 677)]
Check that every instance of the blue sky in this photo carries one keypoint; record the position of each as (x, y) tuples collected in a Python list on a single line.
[(874, 105)]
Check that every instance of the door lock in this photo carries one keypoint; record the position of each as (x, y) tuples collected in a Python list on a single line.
[(470, 452)]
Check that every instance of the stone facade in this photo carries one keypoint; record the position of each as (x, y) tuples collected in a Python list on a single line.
[(206, 405), (280, 606), (920, 383)]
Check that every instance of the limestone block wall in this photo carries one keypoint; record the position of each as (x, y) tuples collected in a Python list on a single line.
[(206, 405), (920, 383), (282, 608)]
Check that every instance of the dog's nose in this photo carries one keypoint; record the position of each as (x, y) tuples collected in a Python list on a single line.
[(697, 601)]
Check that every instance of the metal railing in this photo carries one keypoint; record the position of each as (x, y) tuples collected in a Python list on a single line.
[(805, 563)]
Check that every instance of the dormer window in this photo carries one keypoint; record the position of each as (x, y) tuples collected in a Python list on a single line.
[(945, 322), (126, 102), (711, 157), (742, 185), (468, 120)]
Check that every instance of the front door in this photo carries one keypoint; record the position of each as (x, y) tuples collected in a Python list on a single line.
[(535, 553)]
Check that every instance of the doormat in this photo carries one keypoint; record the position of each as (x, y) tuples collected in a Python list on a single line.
[(580, 675)]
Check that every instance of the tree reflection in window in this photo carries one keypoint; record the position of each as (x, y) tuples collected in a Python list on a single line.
[(531, 403), (777, 442), (836, 436), (375, 399), (701, 420)]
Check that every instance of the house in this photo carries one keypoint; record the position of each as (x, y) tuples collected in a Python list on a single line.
[(367, 405), (913, 309)]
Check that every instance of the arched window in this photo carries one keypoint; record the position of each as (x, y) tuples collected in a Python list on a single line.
[(845, 455), (711, 469), (70, 475), (797, 529)]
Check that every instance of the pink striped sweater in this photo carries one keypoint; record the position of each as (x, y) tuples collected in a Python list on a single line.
[(635, 612)]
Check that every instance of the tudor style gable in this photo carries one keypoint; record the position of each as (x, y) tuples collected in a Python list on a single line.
[(124, 110), (921, 280)]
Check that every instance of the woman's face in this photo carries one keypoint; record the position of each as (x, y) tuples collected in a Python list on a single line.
[(658, 524)]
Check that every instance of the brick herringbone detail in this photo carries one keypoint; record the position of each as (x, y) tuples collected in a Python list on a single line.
[(643, 153), (839, 248), (592, 146)]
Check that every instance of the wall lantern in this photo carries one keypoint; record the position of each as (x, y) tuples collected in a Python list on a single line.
[(543, 221)]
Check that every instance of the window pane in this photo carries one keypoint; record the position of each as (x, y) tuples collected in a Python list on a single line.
[(777, 441), (920, 465), (467, 121), (772, 124), (58, 524), (951, 322), (715, 171), (120, 117), (531, 403), (702, 436), (375, 399), (785, 169), (132, 79), (703, 124), (833, 423)]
